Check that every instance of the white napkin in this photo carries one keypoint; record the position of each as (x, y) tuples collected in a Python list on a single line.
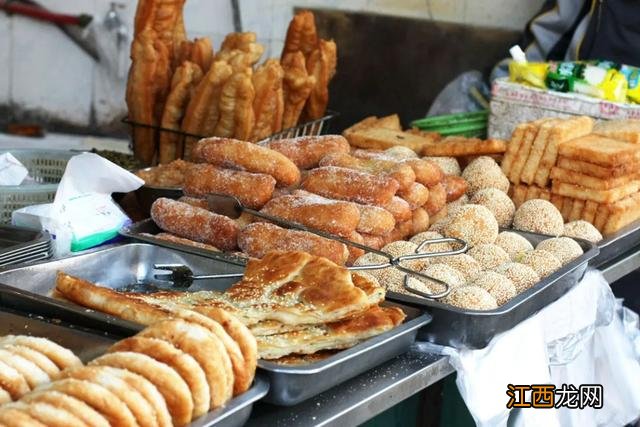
[(82, 214), (12, 172), (576, 340)]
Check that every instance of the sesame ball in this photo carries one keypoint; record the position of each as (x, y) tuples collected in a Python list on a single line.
[(471, 298), (444, 273), (543, 262), (498, 203), (402, 247), (432, 247), (474, 224), (513, 243), (464, 263), (484, 172), (539, 216), (564, 248), (522, 276), (582, 230), (489, 255), (463, 200), (369, 259), (499, 286), (449, 165)]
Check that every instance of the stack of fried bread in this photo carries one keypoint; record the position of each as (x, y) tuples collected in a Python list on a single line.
[(293, 302), (585, 174), (172, 372), (178, 84), (371, 197)]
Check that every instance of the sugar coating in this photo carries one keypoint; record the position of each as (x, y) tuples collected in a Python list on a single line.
[(471, 298), (464, 263), (543, 262), (582, 230), (564, 248), (474, 224), (498, 203), (489, 255), (498, 285), (449, 165), (539, 216), (522, 276), (513, 243)]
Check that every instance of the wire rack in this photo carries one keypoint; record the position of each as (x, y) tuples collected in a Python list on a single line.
[(311, 128)]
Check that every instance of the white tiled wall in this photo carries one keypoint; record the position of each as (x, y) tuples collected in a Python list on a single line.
[(41, 70)]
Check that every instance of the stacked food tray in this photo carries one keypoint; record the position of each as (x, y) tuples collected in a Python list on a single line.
[(617, 244), (20, 245), (131, 266)]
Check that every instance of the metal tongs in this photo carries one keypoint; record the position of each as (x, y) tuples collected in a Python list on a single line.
[(230, 206)]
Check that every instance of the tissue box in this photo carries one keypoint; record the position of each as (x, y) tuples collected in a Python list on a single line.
[(513, 103)]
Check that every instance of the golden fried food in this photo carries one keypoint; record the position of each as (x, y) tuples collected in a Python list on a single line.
[(455, 186), (399, 208), (333, 216), (100, 375), (416, 195), (185, 365), (382, 139), (258, 239), (597, 171), (202, 53), (170, 175), (76, 407), (301, 34), (252, 189), (321, 64), (205, 348), (236, 108), (203, 113), (437, 199), (373, 241), (15, 417), (243, 155), (584, 180), (453, 146), (185, 79), (13, 382), (374, 220), (347, 184), (172, 387), (354, 252), (62, 357), (297, 86), (268, 104), (600, 150), (420, 221), (50, 414), (307, 151), (195, 201), (29, 370), (168, 237), (601, 196), (36, 357), (244, 42), (400, 172), (622, 130), (195, 223)]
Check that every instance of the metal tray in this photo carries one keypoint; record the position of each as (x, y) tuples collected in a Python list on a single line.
[(617, 244), (147, 194), (16, 239), (139, 230), (291, 385), (474, 329)]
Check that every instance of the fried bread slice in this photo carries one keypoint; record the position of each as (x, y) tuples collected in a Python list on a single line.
[(519, 194), (567, 206), (557, 201), (589, 211), (600, 196), (564, 131), (382, 138), (576, 210), (623, 130), (513, 147), (577, 178), (537, 150), (454, 146), (623, 213), (600, 150), (597, 171)]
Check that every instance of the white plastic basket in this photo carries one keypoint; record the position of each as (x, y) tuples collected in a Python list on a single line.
[(46, 167)]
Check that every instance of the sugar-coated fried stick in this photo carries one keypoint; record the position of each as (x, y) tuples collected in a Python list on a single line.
[(321, 64), (399, 208), (233, 153), (301, 34), (268, 104), (455, 186), (416, 195), (236, 108), (437, 199), (252, 189), (185, 79), (297, 86), (307, 151)]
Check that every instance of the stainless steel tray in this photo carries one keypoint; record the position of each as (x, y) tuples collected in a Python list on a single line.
[(291, 385), (145, 230), (617, 244), (474, 329)]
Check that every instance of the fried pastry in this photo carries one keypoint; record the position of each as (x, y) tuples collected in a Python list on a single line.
[(351, 185), (236, 108), (244, 42), (455, 186), (307, 151), (259, 239), (399, 208), (227, 152), (76, 407), (185, 79), (268, 104), (416, 195), (202, 113), (321, 64), (437, 199), (297, 86), (194, 223), (301, 34), (252, 189), (374, 220)]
